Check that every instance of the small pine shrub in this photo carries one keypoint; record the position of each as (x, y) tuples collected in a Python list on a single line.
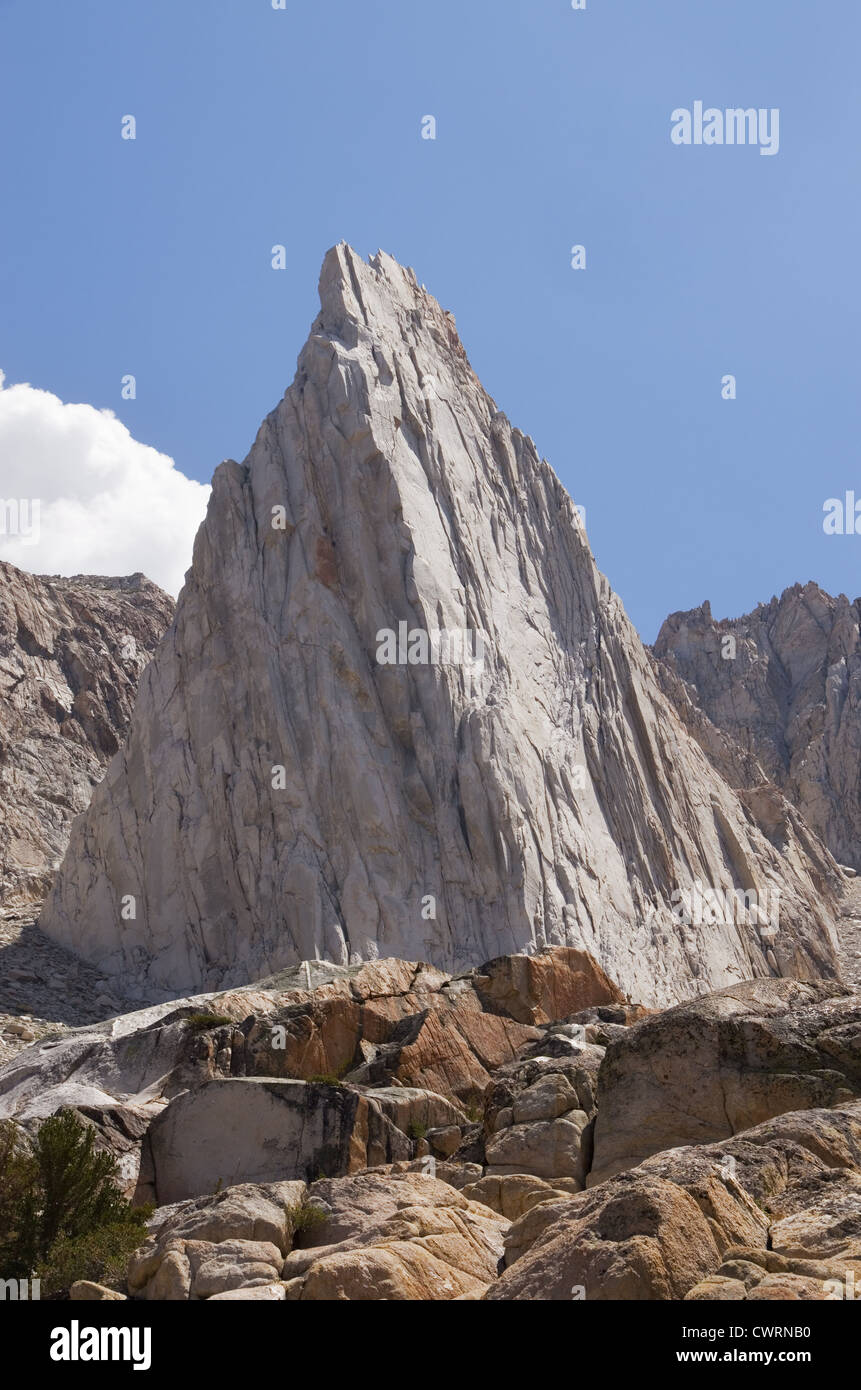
[(198, 1023), (302, 1218), (100, 1255), (61, 1211)]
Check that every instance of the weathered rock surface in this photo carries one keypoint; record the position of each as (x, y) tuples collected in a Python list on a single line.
[(398, 1021), (772, 1213), (401, 1237), (721, 1064), (250, 1129), (638, 1238), (378, 1023), (539, 1116), (283, 795), (427, 1198), (71, 655), (216, 1244), (516, 1194), (414, 1048), (789, 697), (411, 1109), (544, 987), (374, 1236), (85, 1291), (800, 1177)]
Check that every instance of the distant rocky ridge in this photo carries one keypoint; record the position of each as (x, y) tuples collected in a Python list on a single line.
[(286, 793), (71, 654), (781, 688)]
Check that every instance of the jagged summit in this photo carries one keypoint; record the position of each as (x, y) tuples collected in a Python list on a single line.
[(400, 712), (788, 692)]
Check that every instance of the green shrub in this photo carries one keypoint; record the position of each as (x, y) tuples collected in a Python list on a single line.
[(302, 1218), (101, 1255), (324, 1078), (198, 1023), (60, 1204), (416, 1131), (18, 1180)]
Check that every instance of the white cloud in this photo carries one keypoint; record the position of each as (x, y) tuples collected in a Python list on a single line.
[(106, 503)]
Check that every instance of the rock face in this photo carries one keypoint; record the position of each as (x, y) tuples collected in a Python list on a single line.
[(403, 1237), (412, 1047), (774, 1213), (379, 1235), (258, 1130), (71, 655), (709, 1069), (710, 1150), (400, 712), (788, 693)]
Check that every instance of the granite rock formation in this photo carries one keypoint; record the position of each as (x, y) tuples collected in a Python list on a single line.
[(726, 1160), (71, 654), (783, 684), (400, 712)]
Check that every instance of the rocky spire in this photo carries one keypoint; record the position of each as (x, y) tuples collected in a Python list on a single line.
[(401, 711)]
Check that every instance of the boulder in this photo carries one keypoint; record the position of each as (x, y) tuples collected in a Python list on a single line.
[(538, 1115), (255, 1130), (381, 1235), (514, 1195), (412, 1109), (246, 1212), (545, 987), (711, 1068), (235, 1264), (773, 1213), (549, 1148), (637, 1238), (255, 1293), (85, 1291), (395, 1236)]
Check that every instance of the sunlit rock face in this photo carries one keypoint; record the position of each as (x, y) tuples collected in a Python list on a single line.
[(784, 682), (401, 713)]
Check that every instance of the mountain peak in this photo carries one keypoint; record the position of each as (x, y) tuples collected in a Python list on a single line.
[(400, 712)]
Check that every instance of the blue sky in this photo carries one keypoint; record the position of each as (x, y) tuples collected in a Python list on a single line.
[(302, 127)]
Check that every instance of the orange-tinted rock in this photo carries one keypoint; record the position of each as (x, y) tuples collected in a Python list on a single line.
[(545, 987)]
